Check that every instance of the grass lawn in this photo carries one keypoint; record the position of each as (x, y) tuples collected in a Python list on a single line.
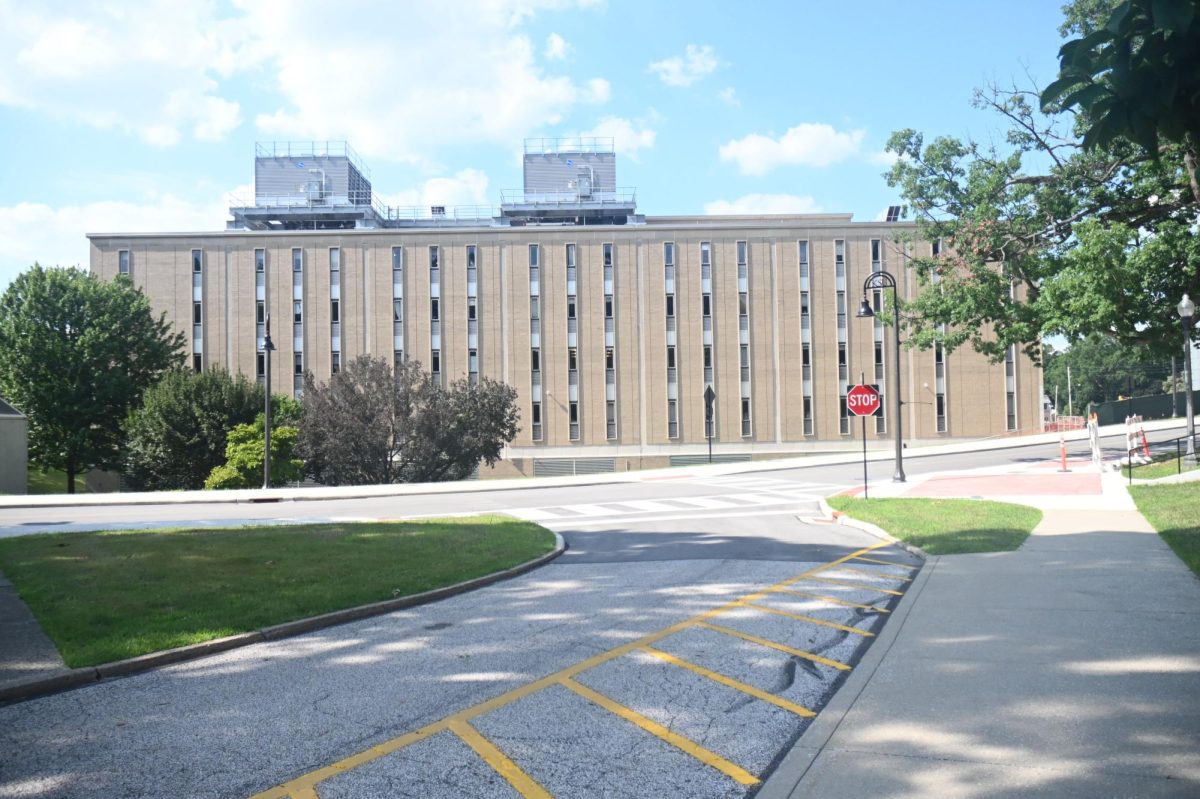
[(1174, 510), (946, 526), (53, 481), (1164, 465), (111, 595)]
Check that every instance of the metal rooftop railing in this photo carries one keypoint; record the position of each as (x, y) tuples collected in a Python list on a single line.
[(619, 196), (576, 144), (311, 149)]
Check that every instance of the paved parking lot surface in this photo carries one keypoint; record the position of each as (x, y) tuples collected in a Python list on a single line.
[(699, 708)]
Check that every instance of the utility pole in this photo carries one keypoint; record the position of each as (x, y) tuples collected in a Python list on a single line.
[(1070, 405)]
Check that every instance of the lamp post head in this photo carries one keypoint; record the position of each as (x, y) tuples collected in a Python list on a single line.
[(864, 309), (1186, 307)]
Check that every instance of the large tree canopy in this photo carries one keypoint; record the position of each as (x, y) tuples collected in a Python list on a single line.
[(1045, 236), (371, 425), (76, 353), (1135, 76)]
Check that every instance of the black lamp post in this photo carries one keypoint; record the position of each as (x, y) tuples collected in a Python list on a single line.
[(1187, 310), (267, 347), (883, 280)]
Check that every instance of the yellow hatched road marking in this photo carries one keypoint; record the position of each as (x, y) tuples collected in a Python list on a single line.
[(869, 573), (687, 745), (808, 619), (884, 562), (800, 653), (832, 599), (799, 710), (526, 786), (860, 586), (302, 787)]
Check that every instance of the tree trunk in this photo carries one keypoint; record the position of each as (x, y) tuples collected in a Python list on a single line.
[(71, 470), (1189, 161)]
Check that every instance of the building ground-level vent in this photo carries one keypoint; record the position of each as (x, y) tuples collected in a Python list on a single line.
[(697, 460), (557, 467)]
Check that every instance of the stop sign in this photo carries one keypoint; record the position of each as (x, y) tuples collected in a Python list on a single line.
[(862, 400)]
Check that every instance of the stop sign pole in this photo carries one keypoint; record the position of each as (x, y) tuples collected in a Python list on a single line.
[(863, 401)]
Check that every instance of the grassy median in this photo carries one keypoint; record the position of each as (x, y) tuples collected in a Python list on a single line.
[(1174, 511), (111, 595), (1163, 464), (946, 526)]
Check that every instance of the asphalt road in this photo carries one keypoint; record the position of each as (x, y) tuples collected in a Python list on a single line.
[(677, 649)]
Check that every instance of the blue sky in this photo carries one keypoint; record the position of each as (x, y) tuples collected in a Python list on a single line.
[(143, 116)]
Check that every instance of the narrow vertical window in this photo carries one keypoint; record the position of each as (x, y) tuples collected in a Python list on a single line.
[(260, 312), (335, 314), (335, 363), (335, 259), (298, 363), (197, 261), (197, 313), (297, 259), (197, 363), (260, 261), (298, 311), (123, 262)]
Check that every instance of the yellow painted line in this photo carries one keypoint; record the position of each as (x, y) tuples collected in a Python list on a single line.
[(526, 786), (800, 653), (738, 685), (687, 745), (307, 781), (859, 586), (885, 562), (869, 573), (306, 793), (808, 619), (832, 599)]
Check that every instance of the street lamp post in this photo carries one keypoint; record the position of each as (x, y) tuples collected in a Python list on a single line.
[(1187, 310), (267, 347), (882, 280)]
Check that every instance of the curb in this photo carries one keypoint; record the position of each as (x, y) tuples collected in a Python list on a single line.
[(840, 517), (785, 780), (74, 678)]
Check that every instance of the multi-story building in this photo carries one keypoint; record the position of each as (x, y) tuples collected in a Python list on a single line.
[(611, 325)]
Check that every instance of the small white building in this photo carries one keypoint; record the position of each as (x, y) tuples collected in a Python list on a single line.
[(14, 450)]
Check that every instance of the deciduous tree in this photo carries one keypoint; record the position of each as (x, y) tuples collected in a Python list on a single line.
[(370, 424), (243, 467), (178, 435), (76, 354)]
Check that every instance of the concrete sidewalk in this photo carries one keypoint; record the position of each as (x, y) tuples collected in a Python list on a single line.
[(1069, 668)]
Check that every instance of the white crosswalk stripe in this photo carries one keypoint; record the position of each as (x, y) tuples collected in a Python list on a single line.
[(708, 503), (751, 492), (644, 505)]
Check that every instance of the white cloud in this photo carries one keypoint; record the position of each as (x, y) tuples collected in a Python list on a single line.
[(556, 48), (629, 136), (883, 158), (56, 236), (420, 77), (806, 144), (764, 204), (151, 70), (685, 70), (464, 188), (729, 97)]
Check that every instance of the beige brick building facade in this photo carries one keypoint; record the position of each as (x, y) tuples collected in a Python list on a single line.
[(610, 356)]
